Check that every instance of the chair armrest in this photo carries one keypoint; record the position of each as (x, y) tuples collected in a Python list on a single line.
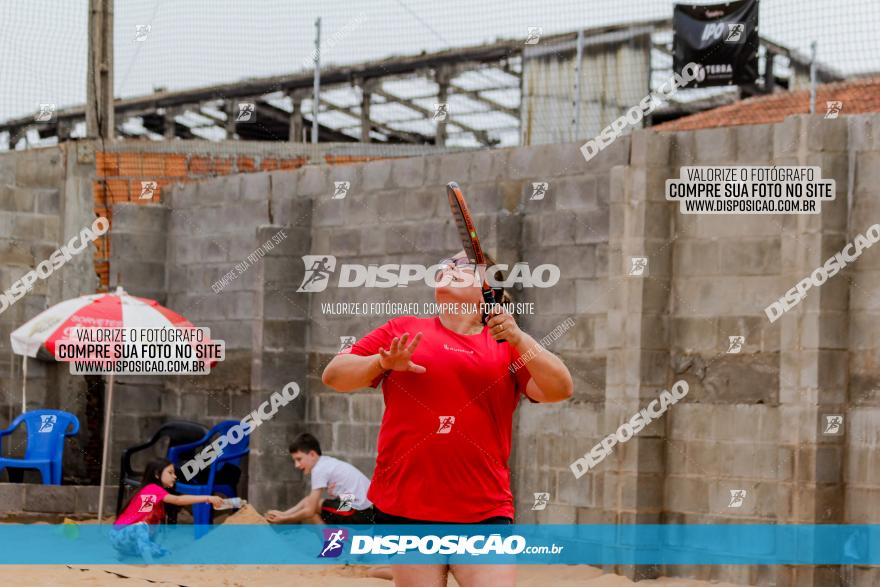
[(126, 454), (13, 425), (133, 449), (75, 430), (7, 432)]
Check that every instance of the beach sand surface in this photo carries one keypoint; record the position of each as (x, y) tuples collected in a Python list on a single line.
[(285, 576)]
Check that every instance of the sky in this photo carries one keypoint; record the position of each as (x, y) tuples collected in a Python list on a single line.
[(193, 43)]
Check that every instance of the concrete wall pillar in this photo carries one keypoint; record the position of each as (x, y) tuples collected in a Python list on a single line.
[(813, 370), (638, 340), (279, 358)]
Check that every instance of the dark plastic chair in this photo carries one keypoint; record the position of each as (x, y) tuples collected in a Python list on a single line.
[(178, 432), (230, 457), (46, 431)]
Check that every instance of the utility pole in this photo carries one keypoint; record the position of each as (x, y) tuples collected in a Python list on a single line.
[(441, 78), (316, 102), (813, 77), (576, 118), (367, 87), (99, 78)]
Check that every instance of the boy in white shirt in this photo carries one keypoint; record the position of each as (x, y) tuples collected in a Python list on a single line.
[(346, 485)]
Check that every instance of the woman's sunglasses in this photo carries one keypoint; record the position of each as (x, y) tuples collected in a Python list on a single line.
[(458, 262)]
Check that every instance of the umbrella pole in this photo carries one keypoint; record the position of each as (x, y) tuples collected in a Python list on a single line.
[(24, 384), (107, 412)]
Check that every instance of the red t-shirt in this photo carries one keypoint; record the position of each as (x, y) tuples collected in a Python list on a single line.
[(444, 443), (146, 506)]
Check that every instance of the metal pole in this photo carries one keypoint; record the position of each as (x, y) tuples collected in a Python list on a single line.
[(105, 454), (229, 125), (577, 84), (813, 77), (442, 79), (317, 97), (769, 76), (24, 384), (366, 98)]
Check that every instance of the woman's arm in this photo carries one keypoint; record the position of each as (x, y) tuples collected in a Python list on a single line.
[(214, 500), (551, 381), (351, 372)]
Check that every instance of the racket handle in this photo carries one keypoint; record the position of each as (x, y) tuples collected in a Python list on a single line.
[(489, 298), (485, 319)]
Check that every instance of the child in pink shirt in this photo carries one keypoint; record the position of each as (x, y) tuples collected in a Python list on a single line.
[(133, 530)]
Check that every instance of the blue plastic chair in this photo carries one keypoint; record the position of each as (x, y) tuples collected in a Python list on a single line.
[(46, 430), (231, 455)]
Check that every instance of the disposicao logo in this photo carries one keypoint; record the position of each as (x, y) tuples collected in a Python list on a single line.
[(147, 503), (334, 542), (319, 268), (47, 423)]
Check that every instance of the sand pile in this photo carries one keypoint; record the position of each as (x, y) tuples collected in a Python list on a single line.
[(246, 515)]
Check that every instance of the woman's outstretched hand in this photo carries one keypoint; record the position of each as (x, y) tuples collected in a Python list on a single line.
[(399, 356)]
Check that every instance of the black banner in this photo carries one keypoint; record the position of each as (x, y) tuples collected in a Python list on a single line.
[(721, 38)]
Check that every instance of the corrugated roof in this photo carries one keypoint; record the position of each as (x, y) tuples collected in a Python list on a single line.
[(857, 97)]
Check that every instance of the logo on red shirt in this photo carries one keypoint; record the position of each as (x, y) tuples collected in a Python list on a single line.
[(446, 423), (147, 503), (452, 348)]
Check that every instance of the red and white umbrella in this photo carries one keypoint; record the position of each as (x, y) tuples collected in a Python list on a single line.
[(38, 336)]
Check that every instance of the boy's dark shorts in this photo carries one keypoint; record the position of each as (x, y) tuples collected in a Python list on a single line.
[(331, 515)]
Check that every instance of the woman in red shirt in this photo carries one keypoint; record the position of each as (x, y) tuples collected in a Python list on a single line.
[(450, 391)]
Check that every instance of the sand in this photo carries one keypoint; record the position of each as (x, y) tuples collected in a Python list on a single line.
[(246, 515), (284, 576)]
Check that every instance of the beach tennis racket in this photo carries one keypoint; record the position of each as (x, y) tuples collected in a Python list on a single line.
[(469, 239)]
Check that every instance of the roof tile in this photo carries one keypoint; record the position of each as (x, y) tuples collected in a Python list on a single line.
[(858, 96)]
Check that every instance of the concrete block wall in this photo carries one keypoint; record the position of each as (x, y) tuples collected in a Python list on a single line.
[(44, 201), (752, 420), (725, 435), (25, 502), (139, 241), (31, 191), (861, 401), (212, 228), (121, 169), (120, 176)]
